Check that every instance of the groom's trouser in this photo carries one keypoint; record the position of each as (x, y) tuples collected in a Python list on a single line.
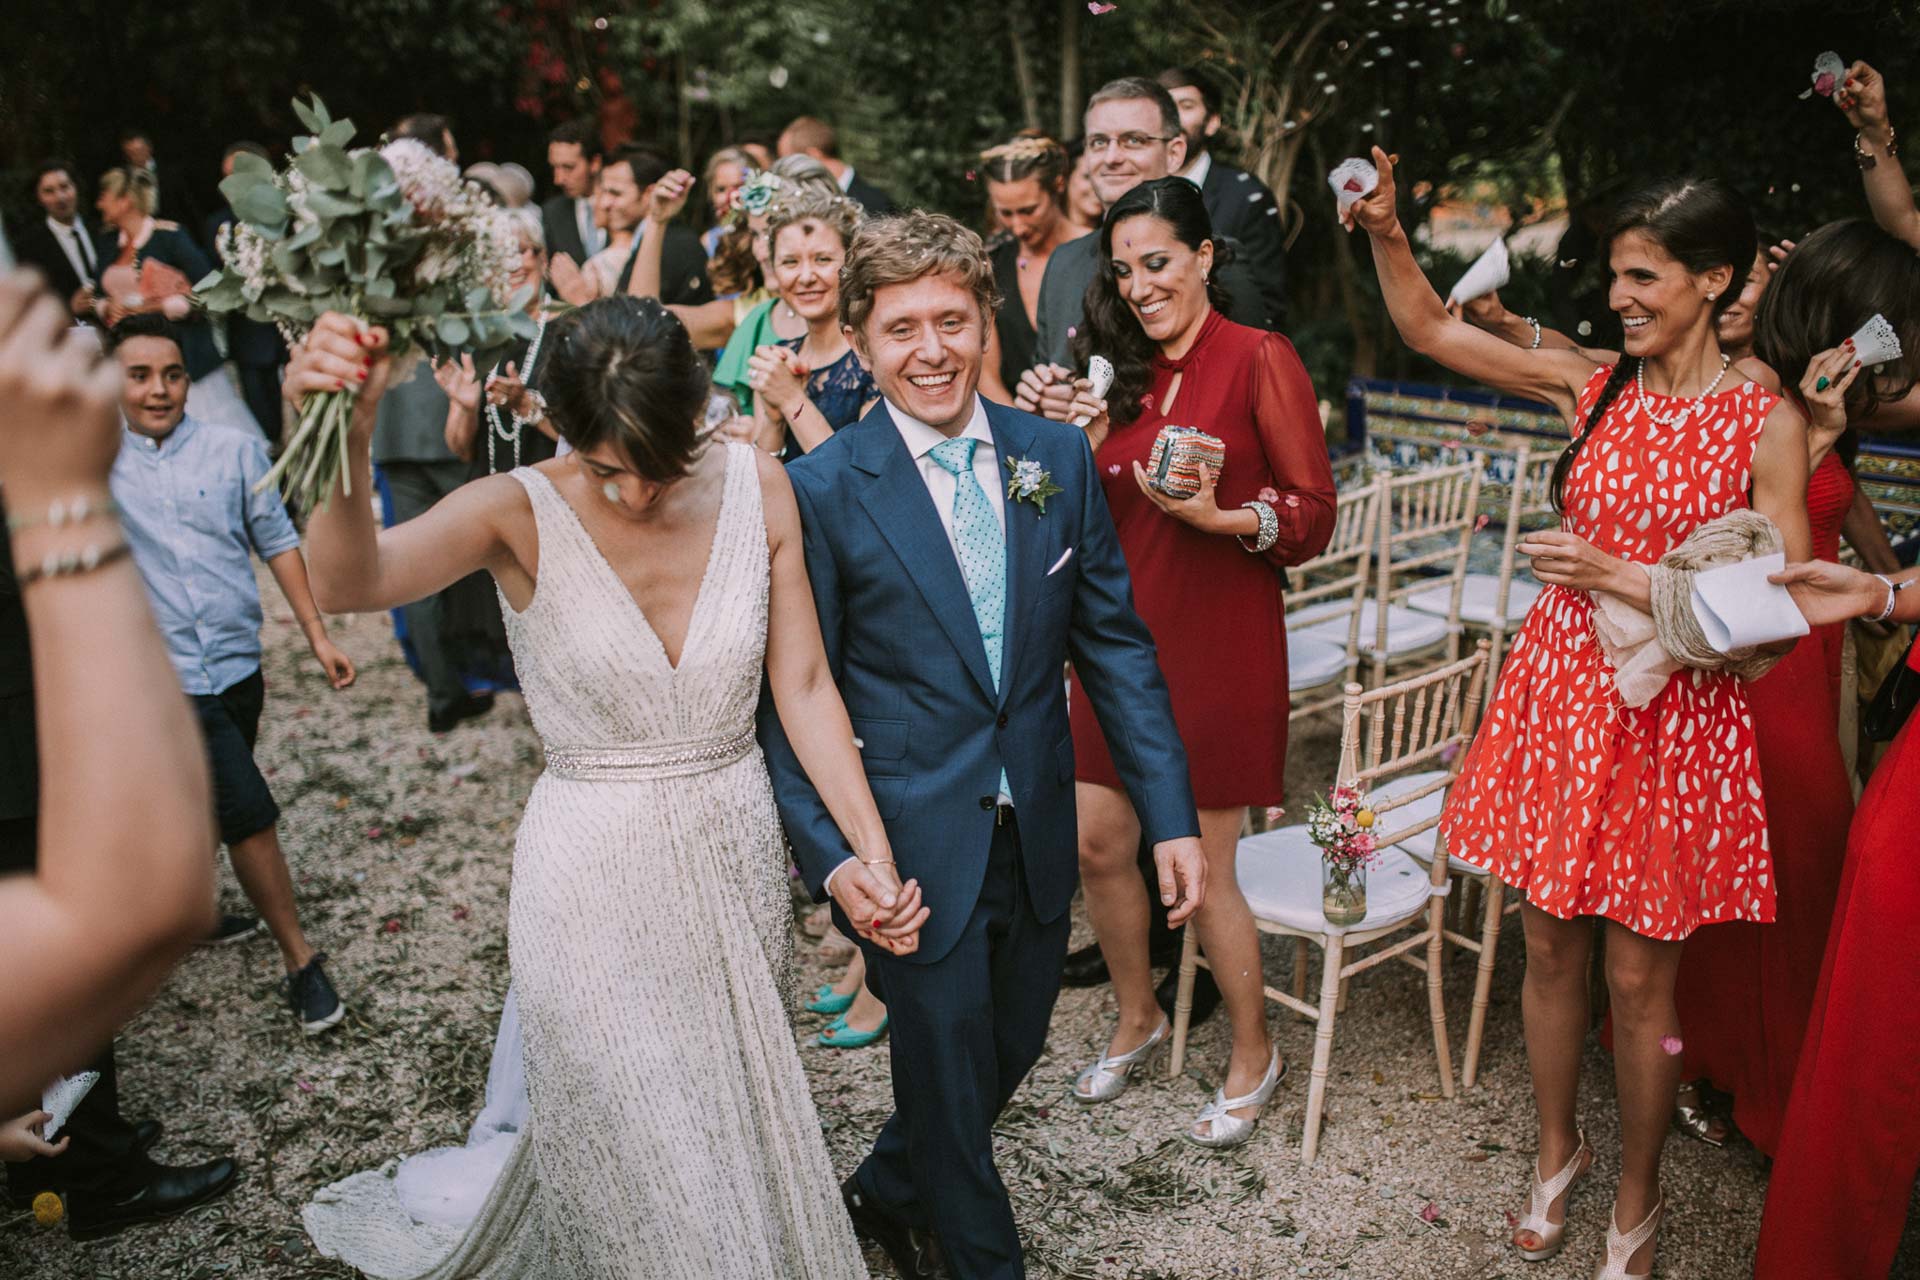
[(963, 1032)]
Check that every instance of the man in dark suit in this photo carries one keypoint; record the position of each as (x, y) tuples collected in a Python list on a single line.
[(949, 601), (809, 136), (1239, 204), (108, 1178), (683, 260), (574, 152), (255, 347), (59, 244), (175, 200)]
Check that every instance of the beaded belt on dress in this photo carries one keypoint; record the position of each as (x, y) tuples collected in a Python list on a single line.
[(667, 760)]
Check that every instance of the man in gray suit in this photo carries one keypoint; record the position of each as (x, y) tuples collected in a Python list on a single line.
[(410, 448), (1133, 136)]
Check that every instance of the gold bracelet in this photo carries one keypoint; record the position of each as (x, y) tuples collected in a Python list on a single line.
[(71, 564), (875, 862)]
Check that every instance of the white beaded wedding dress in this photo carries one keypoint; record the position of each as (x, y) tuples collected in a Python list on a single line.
[(668, 1130)]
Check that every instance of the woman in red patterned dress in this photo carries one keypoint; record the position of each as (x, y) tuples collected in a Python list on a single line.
[(1207, 576), (1649, 817)]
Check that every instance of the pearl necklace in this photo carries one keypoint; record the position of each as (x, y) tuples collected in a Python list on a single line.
[(1679, 416), (499, 429)]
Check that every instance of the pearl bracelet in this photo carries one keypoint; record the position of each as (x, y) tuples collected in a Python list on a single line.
[(1535, 345), (70, 564), (61, 512), (1269, 532)]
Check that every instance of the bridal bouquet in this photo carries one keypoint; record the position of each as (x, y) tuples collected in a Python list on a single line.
[(391, 235)]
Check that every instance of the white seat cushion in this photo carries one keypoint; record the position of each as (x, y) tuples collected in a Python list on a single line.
[(1279, 872), (1420, 844), (1407, 631), (1478, 595), (1312, 663)]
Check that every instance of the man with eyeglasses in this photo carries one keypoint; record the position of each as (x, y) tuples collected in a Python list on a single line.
[(1133, 136)]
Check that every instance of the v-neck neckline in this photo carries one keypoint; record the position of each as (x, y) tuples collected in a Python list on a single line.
[(706, 574)]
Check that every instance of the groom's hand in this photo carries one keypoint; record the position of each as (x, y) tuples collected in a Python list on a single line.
[(1182, 864), (883, 911)]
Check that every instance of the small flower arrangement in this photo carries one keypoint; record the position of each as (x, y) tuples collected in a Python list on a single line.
[(394, 236), (1028, 481), (1342, 828)]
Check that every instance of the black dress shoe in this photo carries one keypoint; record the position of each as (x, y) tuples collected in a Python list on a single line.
[(1084, 968), (915, 1253), (1206, 994), (168, 1190), (473, 704), (145, 1134)]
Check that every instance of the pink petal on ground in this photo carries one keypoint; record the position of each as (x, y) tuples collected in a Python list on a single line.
[(304, 1086), (1482, 522), (1429, 1213)]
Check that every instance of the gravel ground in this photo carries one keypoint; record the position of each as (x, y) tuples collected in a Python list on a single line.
[(400, 844)]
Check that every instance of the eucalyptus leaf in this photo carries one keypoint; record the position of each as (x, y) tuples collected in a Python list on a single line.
[(314, 121), (452, 330), (262, 204), (305, 236), (479, 299), (249, 163), (386, 307), (327, 204), (236, 184), (337, 134), (325, 166)]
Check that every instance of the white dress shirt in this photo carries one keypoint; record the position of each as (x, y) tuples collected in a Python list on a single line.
[(921, 440), (1196, 173), (68, 236), (591, 236), (846, 178)]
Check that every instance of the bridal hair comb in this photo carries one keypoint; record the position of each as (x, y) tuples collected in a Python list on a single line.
[(758, 191)]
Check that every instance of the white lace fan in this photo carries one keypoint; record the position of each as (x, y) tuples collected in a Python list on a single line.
[(1876, 342), (1489, 271), (1351, 180), (1100, 375), (60, 1098)]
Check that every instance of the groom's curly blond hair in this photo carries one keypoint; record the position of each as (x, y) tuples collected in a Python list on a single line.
[(904, 247)]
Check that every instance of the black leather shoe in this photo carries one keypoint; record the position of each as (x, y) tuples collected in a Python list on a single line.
[(145, 1134), (1206, 995), (473, 704), (167, 1191), (1084, 968), (915, 1253)]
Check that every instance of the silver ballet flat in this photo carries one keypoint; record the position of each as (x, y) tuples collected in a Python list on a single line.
[(1107, 1079), (1226, 1129)]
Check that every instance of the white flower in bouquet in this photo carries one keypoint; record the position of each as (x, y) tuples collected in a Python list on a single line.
[(392, 236)]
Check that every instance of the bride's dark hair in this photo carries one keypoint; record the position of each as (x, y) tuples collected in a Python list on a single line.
[(624, 370), (1109, 327)]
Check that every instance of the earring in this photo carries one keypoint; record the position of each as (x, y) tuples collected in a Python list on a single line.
[(1711, 295)]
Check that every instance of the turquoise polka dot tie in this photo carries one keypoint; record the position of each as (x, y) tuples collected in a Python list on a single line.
[(983, 552)]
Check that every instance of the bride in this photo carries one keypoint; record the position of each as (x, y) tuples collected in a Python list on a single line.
[(645, 579)]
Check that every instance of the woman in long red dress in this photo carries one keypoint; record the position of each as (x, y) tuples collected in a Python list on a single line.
[(1649, 817), (1207, 577)]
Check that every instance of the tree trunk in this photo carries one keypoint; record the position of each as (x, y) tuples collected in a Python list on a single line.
[(1023, 66), (1071, 103)]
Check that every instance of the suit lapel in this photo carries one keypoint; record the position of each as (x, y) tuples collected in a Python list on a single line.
[(896, 496), (1026, 539)]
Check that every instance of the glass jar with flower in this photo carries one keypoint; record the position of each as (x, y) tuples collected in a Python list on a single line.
[(1342, 827)]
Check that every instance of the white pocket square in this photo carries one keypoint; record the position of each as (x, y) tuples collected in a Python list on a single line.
[(1061, 563)]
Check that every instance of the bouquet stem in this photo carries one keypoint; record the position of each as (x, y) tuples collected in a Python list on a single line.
[(316, 457)]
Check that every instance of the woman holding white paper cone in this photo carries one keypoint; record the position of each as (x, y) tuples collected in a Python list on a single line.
[(1650, 817), (1850, 1147), (1206, 581)]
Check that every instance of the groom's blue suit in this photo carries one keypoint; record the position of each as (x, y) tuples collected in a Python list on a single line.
[(969, 1009)]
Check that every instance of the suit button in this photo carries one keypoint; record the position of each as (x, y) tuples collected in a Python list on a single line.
[(1003, 720), (986, 802)]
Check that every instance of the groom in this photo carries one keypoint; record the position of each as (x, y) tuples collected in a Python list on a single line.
[(950, 601)]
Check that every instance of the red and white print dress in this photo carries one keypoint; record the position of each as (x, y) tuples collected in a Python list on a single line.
[(1649, 816)]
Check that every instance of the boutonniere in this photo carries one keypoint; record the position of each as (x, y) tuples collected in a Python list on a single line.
[(1028, 481)]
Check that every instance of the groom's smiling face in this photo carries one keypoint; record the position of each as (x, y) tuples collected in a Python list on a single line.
[(923, 342)]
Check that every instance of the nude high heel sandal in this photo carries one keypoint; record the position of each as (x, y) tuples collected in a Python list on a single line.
[(1551, 1235), (1620, 1248)]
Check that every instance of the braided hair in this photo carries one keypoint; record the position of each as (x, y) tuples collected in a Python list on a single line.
[(1701, 223), (623, 371)]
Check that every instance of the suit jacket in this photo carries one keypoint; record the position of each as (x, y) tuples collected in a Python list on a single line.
[(37, 248), (683, 269), (1244, 210), (906, 653), (869, 197), (1071, 268), (562, 229)]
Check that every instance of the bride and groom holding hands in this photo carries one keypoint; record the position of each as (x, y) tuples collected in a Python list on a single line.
[(869, 657)]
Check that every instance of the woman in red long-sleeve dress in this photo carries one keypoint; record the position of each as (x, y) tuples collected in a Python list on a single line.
[(1207, 579)]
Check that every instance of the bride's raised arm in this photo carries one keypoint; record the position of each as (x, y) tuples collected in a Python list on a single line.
[(1555, 375), (356, 567)]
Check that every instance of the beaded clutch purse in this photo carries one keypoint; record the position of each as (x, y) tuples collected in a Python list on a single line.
[(1178, 452)]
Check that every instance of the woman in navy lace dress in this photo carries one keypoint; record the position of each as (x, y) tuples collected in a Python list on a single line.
[(809, 387)]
